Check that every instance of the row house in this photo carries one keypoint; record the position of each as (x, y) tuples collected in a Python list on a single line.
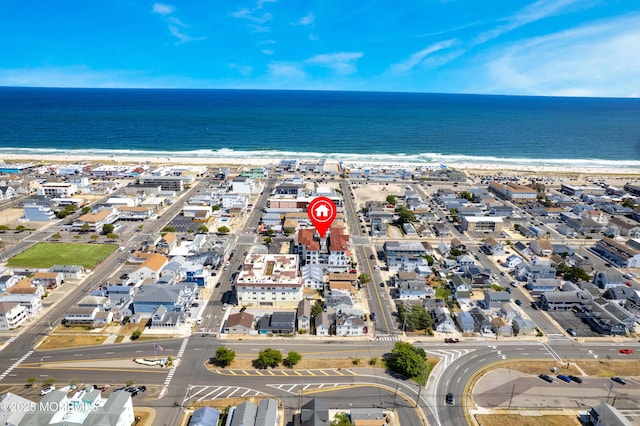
[(620, 226), (331, 252), (620, 254), (513, 192)]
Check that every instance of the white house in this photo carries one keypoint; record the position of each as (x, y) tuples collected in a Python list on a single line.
[(349, 326), (12, 315)]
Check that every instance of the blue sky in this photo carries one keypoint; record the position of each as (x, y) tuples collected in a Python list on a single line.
[(544, 47)]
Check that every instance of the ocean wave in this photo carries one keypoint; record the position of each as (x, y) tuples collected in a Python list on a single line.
[(428, 159)]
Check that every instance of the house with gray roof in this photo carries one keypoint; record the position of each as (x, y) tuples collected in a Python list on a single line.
[(267, 414), (243, 414), (442, 320), (482, 322), (313, 413), (176, 297), (414, 290), (542, 285), (205, 416), (278, 323), (619, 293), (604, 414), (465, 322), (304, 315), (322, 324), (608, 317), (608, 278), (523, 326), (564, 300), (495, 299), (461, 287)]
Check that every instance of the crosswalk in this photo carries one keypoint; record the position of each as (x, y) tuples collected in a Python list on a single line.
[(200, 393), (288, 373), (172, 372), (448, 355), (296, 389), (387, 338), (14, 365), (8, 342)]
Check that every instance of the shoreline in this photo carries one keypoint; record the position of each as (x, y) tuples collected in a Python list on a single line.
[(471, 167)]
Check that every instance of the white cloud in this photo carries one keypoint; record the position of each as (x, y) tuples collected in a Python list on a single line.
[(531, 13), (243, 70), (307, 20), (267, 51), (600, 59), (173, 23), (419, 57), (163, 9), (342, 62), (286, 70)]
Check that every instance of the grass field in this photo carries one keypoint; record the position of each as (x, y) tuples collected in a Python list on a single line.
[(45, 255)]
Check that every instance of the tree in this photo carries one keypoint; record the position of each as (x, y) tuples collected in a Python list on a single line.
[(628, 202), (49, 381), (202, 229), (216, 207), (414, 317), (269, 358), (112, 236), (20, 228), (4, 228), (136, 334), (341, 419), (85, 227), (292, 358), (31, 381), (224, 356), (56, 236), (86, 210), (364, 278), (316, 309), (466, 195), (223, 230), (267, 240), (572, 273), (94, 237), (408, 360), (405, 215), (391, 199), (108, 228), (168, 229)]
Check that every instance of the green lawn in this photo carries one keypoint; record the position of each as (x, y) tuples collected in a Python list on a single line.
[(45, 255)]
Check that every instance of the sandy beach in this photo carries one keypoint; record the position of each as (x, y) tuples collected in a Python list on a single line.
[(474, 169)]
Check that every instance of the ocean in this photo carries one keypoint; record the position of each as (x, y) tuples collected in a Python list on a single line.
[(358, 126)]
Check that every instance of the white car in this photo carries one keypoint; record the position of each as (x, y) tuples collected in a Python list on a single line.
[(47, 390)]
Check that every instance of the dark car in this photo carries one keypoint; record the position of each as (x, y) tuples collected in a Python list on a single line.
[(619, 380), (142, 388), (564, 378), (381, 284), (372, 315), (449, 398), (575, 379), (572, 332), (372, 257), (451, 340), (546, 378)]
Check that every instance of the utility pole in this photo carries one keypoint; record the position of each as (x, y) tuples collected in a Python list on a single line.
[(395, 395), (513, 390)]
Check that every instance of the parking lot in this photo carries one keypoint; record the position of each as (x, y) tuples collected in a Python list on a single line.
[(568, 319)]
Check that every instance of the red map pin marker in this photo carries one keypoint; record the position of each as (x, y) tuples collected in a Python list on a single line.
[(321, 211)]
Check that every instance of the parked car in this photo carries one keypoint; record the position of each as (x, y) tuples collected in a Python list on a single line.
[(451, 340), (372, 315), (47, 390), (546, 378), (564, 378), (449, 398), (575, 379), (572, 332), (619, 380), (142, 388), (381, 284), (518, 302), (372, 257), (626, 351)]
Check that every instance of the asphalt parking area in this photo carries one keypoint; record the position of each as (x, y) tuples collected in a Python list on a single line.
[(568, 319)]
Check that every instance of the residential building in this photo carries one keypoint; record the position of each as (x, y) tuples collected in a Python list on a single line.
[(513, 192), (347, 325), (269, 280), (150, 267), (31, 302), (465, 322), (442, 320), (57, 189), (621, 255), (414, 290), (608, 278), (313, 413), (322, 324), (461, 288), (162, 318), (89, 409), (492, 247), (604, 414), (240, 323), (304, 315), (481, 321), (403, 248), (541, 285), (94, 221), (205, 416), (12, 315), (501, 327), (495, 299), (36, 213), (523, 326), (176, 297), (49, 280), (283, 323), (331, 252), (490, 224), (564, 300), (608, 317), (541, 247)]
